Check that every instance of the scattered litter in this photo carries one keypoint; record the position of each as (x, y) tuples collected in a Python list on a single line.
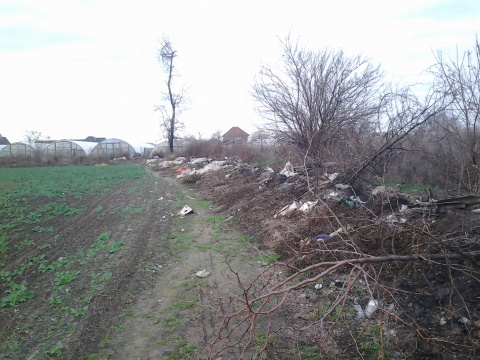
[(393, 219), (356, 200), (202, 273), (359, 310), (288, 170), (337, 283), (442, 321), (180, 160), (165, 163), (286, 185), (332, 176), (187, 210), (296, 205), (347, 202), (308, 206), (321, 237), (338, 231), (186, 173), (318, 286), (198, 161), (371, 308), (342, 186), (333, 194), (465, 321), (160, 199), (213, 166), (182, 169), (287, 210)]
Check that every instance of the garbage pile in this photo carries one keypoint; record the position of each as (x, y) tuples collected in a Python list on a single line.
[(323, 188), (193, 170), (310, 218)]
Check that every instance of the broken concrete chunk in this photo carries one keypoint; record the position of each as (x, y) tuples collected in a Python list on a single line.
[(186, 210), (202, 273)]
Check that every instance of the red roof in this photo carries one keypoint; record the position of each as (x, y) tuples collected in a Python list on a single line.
[(235, 132)]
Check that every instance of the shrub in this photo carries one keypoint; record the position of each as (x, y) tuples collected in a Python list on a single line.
[(198, 148)]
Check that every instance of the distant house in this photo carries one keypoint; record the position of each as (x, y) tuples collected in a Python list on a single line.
[(235, 135), (4, 140)]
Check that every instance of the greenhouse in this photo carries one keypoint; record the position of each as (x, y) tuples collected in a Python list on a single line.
[(178, 146), (68, 148), (17, 149), (144, 149), (113, 148)]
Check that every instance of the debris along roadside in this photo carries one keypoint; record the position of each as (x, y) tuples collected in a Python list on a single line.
[(380, 224), (323, 186)]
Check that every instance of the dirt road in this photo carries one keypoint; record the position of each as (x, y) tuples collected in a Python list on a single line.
[(170, 316)]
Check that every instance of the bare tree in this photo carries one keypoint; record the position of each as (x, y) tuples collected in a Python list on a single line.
[(176, 100), (260, 137), (31, 136), (318, 98), (216, 136), (401, 113), (459, 79), (337, 108)]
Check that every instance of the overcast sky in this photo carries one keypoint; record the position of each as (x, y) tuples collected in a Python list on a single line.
[(73, 68)]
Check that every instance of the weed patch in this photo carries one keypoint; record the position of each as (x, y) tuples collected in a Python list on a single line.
[(17, 293)]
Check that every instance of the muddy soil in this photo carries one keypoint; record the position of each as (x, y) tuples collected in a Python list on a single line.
[(116, 281), (428, 309), (150, 304)]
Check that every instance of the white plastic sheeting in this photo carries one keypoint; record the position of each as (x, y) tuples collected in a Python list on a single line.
[(144, 149)]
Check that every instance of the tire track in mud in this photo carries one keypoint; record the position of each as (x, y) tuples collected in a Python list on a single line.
[(148, 337), (128, 279)]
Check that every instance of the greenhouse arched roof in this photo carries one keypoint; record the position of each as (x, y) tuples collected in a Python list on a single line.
[(17, 149), (69, 148), (143, 149), (113, 147)]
